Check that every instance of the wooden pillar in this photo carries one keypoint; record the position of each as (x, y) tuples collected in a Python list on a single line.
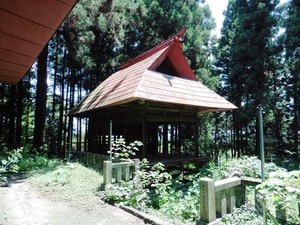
[(196, 137), (179, 137), (165, 139), (172, 140), (144, 133), (91, 137), (176, 139)]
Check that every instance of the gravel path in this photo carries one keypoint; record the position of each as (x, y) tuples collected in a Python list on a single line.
[(22, 204)]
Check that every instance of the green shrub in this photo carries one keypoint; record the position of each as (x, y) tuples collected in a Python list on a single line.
[(245, 215), (174, 199), (10, 162), (121, 150), (159, 191), (282, 192), (245, 166)]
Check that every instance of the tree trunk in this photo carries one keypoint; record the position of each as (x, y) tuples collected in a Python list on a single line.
[(12, 116), (1, 111), (41, 98), (19, 114)]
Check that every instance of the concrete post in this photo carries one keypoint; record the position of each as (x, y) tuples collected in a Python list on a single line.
[(208, 201), (136, 165), (107, 173), (231, 199), (221, 208)]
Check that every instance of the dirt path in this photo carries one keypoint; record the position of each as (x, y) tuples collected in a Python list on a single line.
[(22, 204)]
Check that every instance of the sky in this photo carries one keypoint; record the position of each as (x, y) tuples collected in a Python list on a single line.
[(217, 7)]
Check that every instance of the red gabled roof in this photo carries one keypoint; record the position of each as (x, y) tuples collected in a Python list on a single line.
[(174, 53), (152, 51), (138, 79)]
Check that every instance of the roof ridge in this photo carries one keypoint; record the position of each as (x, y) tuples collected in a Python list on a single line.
[(168, 42)]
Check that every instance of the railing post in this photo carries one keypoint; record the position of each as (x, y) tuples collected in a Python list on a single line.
[(240, 192), (221, 203), (119, 174), (230, 199), (136, 165), (208, 201), (126, 172), (107, 173)]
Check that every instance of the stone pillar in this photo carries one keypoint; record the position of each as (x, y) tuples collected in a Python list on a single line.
[(107, 173), (221, 207), (230, 199), (240, 192), (208, 201)]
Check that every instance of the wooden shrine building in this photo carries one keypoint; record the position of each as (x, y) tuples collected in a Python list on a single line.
[(154, 98)]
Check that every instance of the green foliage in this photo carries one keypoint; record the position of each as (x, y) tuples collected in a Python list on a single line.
[(249, 64), (282, 192), (245, 166), (21, 160), (156, 189), (184, 205), (245, 215), (291, 43), (33, 162), (10, 162), (121, 150), (174, 199)]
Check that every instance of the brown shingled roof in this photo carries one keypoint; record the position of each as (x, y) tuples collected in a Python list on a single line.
[(138, 80)]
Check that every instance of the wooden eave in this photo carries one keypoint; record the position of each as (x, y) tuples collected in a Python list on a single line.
[(25, 28), (150, 111)]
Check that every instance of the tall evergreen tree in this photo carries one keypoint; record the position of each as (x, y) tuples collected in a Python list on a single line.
[(292, 47), (41, 99), (245, 53)]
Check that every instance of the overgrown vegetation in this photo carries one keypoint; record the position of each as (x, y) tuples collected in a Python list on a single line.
[(245, 166), (9, 162), (71, 182), (154, 190), (179, 198), (281, 194), (26, 160), (245, 215)]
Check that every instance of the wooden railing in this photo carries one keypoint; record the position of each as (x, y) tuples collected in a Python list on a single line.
[(116, 172), (218, 198)]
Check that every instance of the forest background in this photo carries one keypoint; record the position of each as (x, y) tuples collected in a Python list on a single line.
[(256, 61)]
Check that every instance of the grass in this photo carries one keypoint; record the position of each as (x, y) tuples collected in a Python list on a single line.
[(70, 182), (79, 185)]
